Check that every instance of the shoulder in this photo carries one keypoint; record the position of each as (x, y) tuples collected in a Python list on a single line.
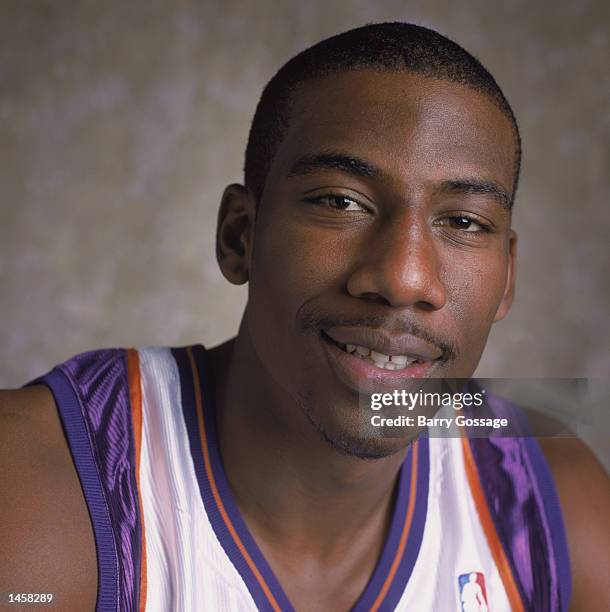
[(45, 529), (583, 488)]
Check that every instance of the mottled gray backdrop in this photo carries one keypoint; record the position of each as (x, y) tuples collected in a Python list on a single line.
[(121, 122)]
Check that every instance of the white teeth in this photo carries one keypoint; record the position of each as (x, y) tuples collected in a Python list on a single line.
[(375, 356), (383, 362), (384, 365)]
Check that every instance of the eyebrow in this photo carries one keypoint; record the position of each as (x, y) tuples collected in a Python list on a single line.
[(468, 186), (361, 168), (334, 161)]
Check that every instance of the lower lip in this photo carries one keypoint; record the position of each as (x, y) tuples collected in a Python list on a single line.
[(360, 374)]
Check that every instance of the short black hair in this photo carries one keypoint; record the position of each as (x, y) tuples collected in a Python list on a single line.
[(382, 46)]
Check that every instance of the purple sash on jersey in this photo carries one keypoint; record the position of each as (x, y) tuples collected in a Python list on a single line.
[(521, 497), (92, 394)]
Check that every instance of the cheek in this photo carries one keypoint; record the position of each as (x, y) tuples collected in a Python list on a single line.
[(297, 263), (475, 287), (291, 267)]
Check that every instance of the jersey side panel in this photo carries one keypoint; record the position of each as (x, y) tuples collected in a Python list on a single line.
[(554, 524), (135, 400), (522, 501)]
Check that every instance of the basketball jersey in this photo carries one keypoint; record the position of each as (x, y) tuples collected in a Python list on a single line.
[(476, 524)]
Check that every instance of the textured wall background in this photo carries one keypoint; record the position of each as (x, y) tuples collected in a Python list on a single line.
[(121, 123)]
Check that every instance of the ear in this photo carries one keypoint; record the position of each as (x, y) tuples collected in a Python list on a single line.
[(235, 233), (509, 290)]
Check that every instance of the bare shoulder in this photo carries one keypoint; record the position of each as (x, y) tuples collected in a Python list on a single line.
[(46, 534), (583, 488)]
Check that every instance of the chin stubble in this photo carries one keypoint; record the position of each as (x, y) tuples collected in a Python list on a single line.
[(361, 448)]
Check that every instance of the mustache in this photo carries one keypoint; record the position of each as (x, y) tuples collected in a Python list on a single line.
[(314, 321)]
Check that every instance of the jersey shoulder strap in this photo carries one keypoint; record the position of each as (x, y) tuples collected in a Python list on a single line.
[(97, 397), (519, 510)]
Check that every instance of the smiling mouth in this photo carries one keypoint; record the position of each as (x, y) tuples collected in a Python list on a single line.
[(379, 360)]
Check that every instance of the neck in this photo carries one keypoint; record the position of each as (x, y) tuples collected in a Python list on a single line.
[(291, 486)]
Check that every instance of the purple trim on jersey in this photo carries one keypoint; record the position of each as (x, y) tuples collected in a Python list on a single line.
[(548, 493), (77, 435), (216, 520), (415, 536), (416, 533), (374, 586), (366, 600), (527, 521), (100, 404)]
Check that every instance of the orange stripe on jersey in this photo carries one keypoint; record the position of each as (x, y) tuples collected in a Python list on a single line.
[(405, 532), (135, 401), (495, 545), (215, 493)]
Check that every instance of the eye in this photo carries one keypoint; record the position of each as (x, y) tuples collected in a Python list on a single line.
[(338, 202), (465, 224)]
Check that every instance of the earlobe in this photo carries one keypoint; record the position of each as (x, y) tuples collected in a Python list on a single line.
[(235, 233), (509, 290)]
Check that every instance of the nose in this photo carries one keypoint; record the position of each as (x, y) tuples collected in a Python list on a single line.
[(400, 266)]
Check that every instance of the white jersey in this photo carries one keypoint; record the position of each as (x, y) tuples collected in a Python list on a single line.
[(170, 537)]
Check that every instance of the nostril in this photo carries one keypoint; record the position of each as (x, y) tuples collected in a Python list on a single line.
[(375, 297)]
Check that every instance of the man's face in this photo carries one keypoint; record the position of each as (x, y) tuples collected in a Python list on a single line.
[(382, 226)]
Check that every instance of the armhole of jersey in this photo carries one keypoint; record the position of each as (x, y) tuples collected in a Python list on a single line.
[(554, 515), (79, 443)]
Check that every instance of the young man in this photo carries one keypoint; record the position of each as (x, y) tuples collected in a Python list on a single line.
[(374, 230)]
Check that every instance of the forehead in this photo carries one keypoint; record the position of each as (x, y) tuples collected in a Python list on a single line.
[(417, 129)]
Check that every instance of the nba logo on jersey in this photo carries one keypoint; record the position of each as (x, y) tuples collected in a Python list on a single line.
[(473, 595)]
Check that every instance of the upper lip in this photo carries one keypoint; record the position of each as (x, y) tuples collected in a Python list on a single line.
[(381, 341)]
